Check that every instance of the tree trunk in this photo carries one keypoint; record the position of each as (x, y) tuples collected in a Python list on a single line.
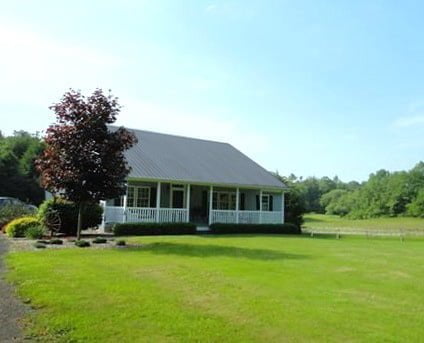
[(79, 221)]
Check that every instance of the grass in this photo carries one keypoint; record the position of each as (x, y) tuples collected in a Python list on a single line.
[(251, 288), (322, 221)]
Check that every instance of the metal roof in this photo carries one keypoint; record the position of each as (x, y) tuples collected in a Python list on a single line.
[(159, 156)]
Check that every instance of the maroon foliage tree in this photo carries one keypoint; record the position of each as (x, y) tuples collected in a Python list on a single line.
[(83, 159)]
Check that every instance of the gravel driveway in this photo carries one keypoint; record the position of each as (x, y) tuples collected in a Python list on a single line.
[(11, 309)]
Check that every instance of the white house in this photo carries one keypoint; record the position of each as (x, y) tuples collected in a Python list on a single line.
[(181, 179)]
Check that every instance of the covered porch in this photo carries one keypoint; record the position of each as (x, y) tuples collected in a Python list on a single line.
[(167, 202)]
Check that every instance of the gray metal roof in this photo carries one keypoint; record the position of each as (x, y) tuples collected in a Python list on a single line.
[(159, 156)]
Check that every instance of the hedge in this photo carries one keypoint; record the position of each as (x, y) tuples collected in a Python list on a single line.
[(289, 229), (150, 229), (19, 226), (68, 213)]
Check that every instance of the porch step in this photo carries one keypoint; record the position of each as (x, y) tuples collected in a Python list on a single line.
[(202, 228)]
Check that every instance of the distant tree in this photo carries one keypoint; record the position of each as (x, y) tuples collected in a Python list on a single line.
[(17, 174), (83, 159), (416, 207), (294, 207), (334, 202)]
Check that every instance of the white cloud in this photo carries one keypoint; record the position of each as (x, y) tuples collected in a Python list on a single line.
[(409, 121)]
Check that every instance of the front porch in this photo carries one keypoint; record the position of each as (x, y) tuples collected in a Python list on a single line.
[(166, 202)]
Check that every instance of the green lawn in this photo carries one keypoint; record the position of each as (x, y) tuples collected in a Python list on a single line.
[(227, 289), (322, 221)]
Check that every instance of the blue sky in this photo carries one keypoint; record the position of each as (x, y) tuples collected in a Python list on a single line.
[(307, 87)]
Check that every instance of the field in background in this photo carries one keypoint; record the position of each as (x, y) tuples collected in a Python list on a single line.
[(322, 222), (250, 288)]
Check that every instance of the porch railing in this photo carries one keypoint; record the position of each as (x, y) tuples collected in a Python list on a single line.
[(115, 214), (246, 217)]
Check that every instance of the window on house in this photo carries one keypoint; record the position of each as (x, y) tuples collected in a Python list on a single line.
[(138, 196), (224, 200), (266, 202)]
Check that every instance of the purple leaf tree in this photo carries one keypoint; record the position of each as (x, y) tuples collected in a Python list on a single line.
[(84, 160)]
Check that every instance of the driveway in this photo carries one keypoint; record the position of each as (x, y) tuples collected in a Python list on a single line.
[(11, 309)]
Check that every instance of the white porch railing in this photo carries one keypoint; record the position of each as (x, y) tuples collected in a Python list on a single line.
[(246, 217), (114, 214), (172, 215)]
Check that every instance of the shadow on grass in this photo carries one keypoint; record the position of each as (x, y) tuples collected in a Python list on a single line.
[(207, 250)]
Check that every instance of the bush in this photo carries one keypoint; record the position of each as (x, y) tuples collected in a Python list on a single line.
[(34, 232), (147, 229), (82, 244), (99, 240), (68, 213), (10, 212), (121, 243), (287, 228), (56, 241), (39, 245), (19, 226)]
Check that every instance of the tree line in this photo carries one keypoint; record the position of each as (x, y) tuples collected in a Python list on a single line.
[(18, 177), (385, 193)]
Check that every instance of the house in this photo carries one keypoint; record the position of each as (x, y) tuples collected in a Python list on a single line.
[(181, 179)]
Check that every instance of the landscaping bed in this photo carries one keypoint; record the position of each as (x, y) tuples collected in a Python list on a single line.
[(23, 244)]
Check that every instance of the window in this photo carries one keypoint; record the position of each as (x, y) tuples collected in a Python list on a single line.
[(224, 200), (143, 197), (266, 202), (138, 196)]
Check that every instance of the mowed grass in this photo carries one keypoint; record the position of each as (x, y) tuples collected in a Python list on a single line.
[(252, 288), (323, 221)]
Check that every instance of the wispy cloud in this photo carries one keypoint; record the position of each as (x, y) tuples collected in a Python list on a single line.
[(409, 121)]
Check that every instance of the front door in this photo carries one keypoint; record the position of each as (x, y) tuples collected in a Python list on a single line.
[(177, 199)]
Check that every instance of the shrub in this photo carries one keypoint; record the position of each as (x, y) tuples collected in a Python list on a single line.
[(121, 243), (34, 232), (82, 243), (19, 226), (39, 245), (56, 241), (42, 241), (68, 213), (287, 228), (10, 212), (99, 240), (142, 229)]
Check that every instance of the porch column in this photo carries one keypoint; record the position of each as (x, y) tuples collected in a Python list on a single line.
[(158, 202), (237, 204), (282, 207), (124, 213), (188, 203), (261, 193), (210, 204)]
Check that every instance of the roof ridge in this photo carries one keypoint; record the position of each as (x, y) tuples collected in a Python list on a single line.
[(170, 134)]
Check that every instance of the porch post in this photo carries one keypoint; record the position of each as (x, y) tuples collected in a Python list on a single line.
[(282, 207), (188, 203), (237, 204), (158, 202), (260, 206), (210, 204), (124, 214)]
